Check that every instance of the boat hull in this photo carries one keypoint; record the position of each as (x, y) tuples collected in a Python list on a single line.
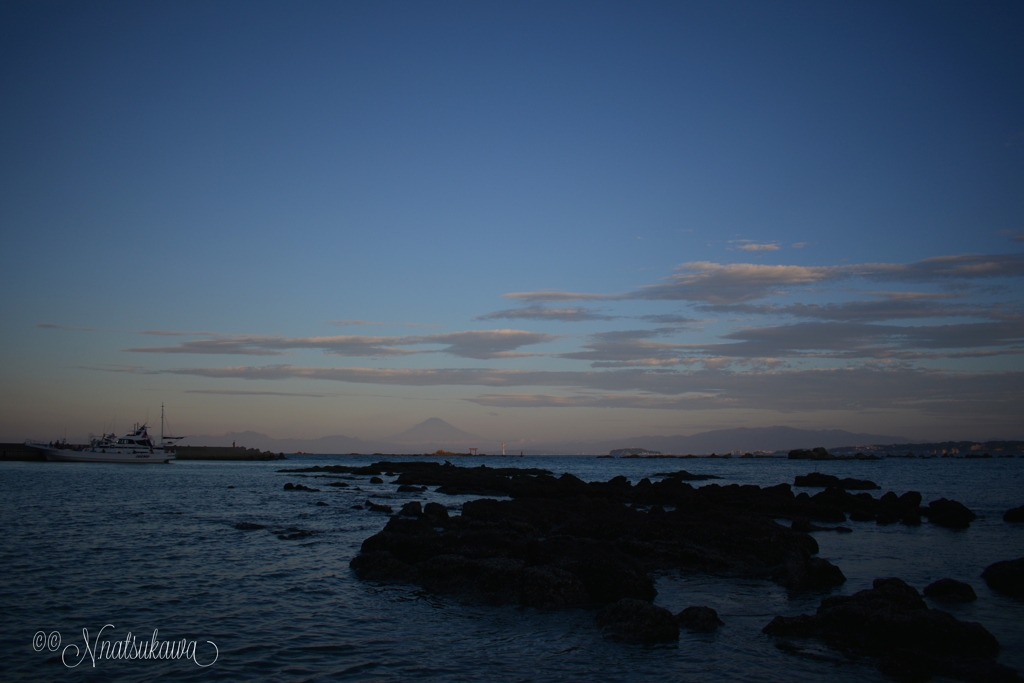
[(129, 456)]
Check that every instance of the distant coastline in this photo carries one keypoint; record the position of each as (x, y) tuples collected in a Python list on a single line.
[(13, 452), (225, 453)]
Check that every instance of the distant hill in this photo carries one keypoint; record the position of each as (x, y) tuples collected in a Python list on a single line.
[(434, 430), (735, 439), (326, 444), (433, 434), (426, 437)]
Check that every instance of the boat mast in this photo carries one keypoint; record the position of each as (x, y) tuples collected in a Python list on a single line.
[(161, 422)]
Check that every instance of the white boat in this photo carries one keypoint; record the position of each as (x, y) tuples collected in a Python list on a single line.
[(134, 447)]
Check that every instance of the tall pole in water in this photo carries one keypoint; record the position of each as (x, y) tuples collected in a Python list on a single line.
[(161, 422), (503, 449)]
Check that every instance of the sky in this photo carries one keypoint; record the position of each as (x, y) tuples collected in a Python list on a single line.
[(536, 221)]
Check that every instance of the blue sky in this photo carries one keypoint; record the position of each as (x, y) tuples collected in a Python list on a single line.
[(537, 221)]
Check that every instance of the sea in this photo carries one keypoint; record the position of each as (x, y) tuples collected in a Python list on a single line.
[(149, 560)]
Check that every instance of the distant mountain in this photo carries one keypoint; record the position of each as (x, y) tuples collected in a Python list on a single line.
[(326, 444), (434, 431), (737, 439), (433, 434)]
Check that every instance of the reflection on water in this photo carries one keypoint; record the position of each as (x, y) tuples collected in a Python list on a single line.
[(156, 547)]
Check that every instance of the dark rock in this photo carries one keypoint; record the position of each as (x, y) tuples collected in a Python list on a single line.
[(891, 621), (294, 534), (382, 566), (683, 475), (702, 619), (408, 488), (813, 454), (550, 587), (800, 571), (823, 480), (950, 590), (949, 513), (436, 512), (321, 503), (374, 507), (357, 507), (1006, 577), (411, 509), (637, 621), (339, 484), (249, 526), (805, 526), (231, 487), (376, 480), (1014, 515), (297, 487)]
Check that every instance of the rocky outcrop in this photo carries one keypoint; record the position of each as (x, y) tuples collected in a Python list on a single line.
[(376, 507), (950, 590), (637, 621), (817, 479), (683, 475), (298, 487), (1006, 577), (949, 513), (700, 619), (813, 454), (1014, 515), (891, 622), (568, 547), (800, 571)]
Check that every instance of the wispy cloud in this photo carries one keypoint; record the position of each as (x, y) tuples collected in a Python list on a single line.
[(669, 319), (484, 344), (897, 306), (751, 245), (240, 392), (127, 369), (717, 283), (478, 344), (66, 328), (887, 387), (539, 312), (629, 348), (345, 323)]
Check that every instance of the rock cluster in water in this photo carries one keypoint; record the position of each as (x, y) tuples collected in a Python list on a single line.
[(562, 542), (817, 479), (1006, 577), (891, 622)]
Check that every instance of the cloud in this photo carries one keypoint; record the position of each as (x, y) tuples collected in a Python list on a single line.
[(556, 295), (344, 323), (538, 312), (483, 344), (716, 283), (480, 344), (750, 245), (894, 306), (268, 345), (981, 396), (127, 369), (851, 340), (957, 394), (239, 392), (629, 348), (65, 328), (668, 319)]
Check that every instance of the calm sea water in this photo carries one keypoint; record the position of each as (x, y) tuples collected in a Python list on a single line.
[(155, 547)]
